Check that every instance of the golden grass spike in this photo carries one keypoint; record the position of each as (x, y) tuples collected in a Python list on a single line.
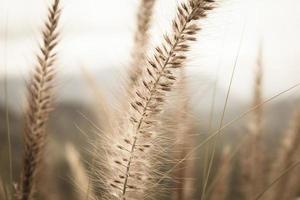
[(288, 154), (39, 103), (221, 184), (252, 157), (130, 161), (141, 40)]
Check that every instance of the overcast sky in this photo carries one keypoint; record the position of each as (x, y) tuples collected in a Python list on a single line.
[(98, 34)]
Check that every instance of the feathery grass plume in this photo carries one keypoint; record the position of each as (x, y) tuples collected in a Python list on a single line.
[(182, 124), (139, 49), (141, 40), (221, 183), (129, 165), (79, 173), (288, 154), (39, 99), (252, 156)]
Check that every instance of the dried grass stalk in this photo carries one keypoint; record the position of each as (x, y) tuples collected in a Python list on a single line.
[(130, 171), (39, 99), (141, 40), (253, 161)]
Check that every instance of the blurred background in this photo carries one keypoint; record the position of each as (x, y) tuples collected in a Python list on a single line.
[(97, 37)]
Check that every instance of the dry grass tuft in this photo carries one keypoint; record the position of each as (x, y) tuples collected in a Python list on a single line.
[(148, 149), (39, 99)]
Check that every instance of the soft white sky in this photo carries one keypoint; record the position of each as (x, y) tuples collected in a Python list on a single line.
[(98, 34)]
